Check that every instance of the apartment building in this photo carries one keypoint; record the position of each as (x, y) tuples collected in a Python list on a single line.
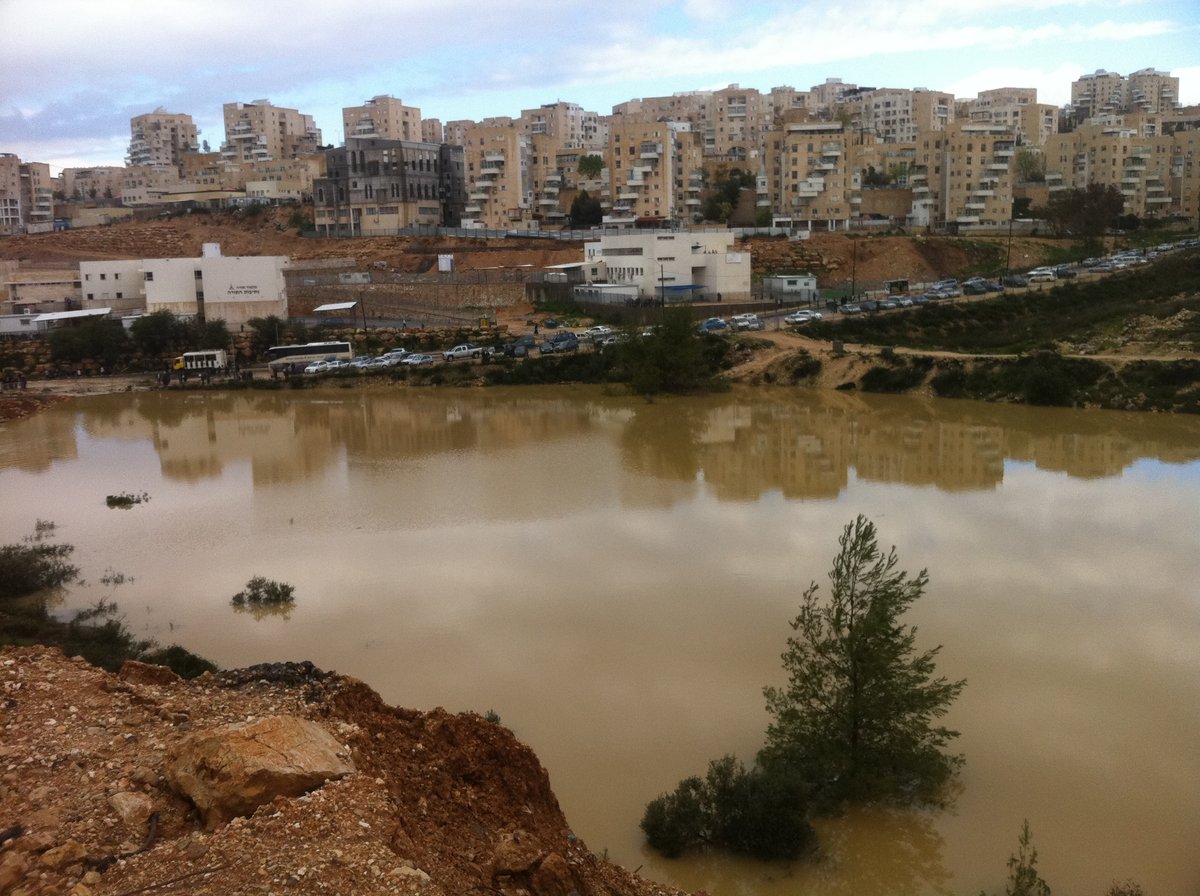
[(568, 125), (1150, 171), (976, 177), (261, 132), (375, 187), (432, 131), (147, 184), (1016, 108), (654, 170), (10, 193), (499, 162), (385, 118), (1151, 91), (102, 182), (897, 115), (1096, 94), (161, 138), (808, 177), (37, 197)]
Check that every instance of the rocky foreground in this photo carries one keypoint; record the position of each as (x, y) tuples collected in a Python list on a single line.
[(274, 779)]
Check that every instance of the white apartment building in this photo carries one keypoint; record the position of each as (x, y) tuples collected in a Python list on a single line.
[(704, 265)]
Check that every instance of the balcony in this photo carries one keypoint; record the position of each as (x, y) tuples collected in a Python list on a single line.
[(626, 195), (967, 219), (473, 209), (478, 196), (976, 205), (997, 166), (1158, 200), (831, 149), (493, 156), (650, 150), (548, 200)]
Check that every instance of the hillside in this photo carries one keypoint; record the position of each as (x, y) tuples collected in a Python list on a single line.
[(96, 767), (831, 256)]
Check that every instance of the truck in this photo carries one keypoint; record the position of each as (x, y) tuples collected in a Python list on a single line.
[(466, 350)]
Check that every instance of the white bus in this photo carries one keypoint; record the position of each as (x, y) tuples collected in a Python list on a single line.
[(294, 358)]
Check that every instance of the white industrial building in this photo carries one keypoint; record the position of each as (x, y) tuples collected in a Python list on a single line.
[(666, 265)]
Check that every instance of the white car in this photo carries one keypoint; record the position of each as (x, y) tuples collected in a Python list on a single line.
[(747, 321), (466, 350), (317, 367), (1041, 275), (802, 317), (597, 332)]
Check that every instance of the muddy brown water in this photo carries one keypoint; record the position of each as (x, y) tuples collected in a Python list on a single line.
[(614, 578)]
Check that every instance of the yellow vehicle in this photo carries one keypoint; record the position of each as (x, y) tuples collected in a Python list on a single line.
[(212, 360)]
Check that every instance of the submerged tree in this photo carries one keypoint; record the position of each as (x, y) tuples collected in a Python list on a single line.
[(857, 719)]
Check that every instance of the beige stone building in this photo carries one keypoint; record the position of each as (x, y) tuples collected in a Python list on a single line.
[(976, 175), (384, 117), (1153, 173), (808, 178), (261, 132), (102, 182), (654, 170), (10, 193), (161, 138), (498, 158), (1096, 94), (897, 115), (567, 125), (1016, 108), (1151, 91), (37, 197)]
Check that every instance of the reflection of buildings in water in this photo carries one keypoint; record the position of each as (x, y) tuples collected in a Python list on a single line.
[(36, 443), (1085, 457)]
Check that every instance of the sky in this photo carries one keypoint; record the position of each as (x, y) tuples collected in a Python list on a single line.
[(73, 72)]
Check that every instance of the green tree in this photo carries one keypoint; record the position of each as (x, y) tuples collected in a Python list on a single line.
[(1023, 877), (586, 211), (1030, 165), (265, 332), (158, 333), (590, 165), (93, 339), (857, 718), (672, 359), (1086, 212)]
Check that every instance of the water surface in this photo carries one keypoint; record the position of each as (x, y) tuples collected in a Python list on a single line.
[(614, 578)]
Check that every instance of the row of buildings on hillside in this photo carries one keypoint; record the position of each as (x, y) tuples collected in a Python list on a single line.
[(835, 156)]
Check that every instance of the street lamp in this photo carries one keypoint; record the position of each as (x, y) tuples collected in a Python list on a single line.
[(854, 271)]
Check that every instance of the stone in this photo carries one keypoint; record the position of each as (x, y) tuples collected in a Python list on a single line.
[(133, 808), (61, 856), (230, 771), (516, 853), (553, 877), (146, 673), (13, 868)]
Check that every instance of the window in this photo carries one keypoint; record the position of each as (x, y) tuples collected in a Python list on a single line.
[(197, 275), (149, 276)]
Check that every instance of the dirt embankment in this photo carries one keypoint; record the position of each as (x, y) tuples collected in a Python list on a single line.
[(438, 803)]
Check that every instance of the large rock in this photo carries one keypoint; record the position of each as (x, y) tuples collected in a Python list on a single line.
[(230, 771)]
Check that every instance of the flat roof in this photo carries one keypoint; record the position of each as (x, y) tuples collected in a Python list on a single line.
[(335, 306), (570, 265), (68, 315)]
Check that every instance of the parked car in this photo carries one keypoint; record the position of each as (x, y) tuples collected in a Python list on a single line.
[(566, 341), (1063, 271), (317, 367), (550, 324), (976, 286), (417, 360), (802, 317), (597, 332), (1013, 280), (1103, 267), (747, 321), (869, 305), (888, 304), (905, 301), (521, 346), (712, 325), (466, 350), (1041, 275), (849, 308)]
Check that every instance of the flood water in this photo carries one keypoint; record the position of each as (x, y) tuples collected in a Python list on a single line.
[(615, 578)]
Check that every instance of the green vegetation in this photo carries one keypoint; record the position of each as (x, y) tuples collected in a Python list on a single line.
[(162, 333), (856, 722), (33, 569), (1023, 877), (1084, 213), (586, 210), (721, 197), (125, 500), (757, 812), (263, 592), (899, 374), (1034, 320), (590, 165)]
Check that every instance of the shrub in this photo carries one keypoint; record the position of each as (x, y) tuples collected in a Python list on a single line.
[(36, 564), (261, 591), (758, 812)]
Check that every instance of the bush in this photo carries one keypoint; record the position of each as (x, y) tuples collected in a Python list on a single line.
[(899, 376), (36, 564), (756, 812), (261, 591)]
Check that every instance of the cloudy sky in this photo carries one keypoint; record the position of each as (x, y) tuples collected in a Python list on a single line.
[(75, 71)]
